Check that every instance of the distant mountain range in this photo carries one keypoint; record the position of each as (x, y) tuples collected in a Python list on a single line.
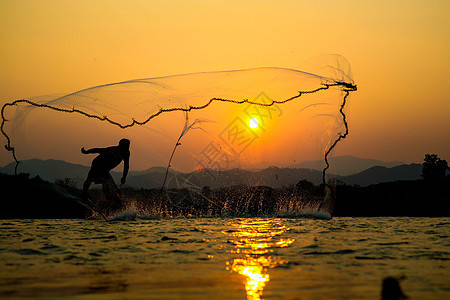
[(51, 170), (346, 165)]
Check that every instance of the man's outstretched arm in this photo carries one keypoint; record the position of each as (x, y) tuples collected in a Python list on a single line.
[(93, 150)]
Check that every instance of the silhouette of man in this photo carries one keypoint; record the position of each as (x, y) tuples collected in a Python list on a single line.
[(108, 159)]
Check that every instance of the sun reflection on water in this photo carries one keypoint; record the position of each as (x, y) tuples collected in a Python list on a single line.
[(256, 239)]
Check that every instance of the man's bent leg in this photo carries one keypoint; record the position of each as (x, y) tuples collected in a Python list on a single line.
[(111, 191), (86, 185)]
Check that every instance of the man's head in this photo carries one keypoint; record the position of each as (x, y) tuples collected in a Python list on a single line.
[(124, 144)]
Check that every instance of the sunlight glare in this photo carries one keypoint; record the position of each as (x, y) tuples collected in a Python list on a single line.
[(256, 238), (253, 123)]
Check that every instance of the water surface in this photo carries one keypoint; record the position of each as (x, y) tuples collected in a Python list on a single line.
[(224, 258)]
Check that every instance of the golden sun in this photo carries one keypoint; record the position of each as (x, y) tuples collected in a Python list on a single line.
[(253, 123)]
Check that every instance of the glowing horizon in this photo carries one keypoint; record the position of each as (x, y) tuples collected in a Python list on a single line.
[(396, 50)]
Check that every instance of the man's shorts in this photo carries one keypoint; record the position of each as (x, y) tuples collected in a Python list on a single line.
[(100, 177)]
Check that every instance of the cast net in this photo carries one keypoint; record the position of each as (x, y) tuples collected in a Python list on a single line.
[(201, 123)]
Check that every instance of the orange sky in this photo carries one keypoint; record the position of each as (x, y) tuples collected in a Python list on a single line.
[(398, 51)]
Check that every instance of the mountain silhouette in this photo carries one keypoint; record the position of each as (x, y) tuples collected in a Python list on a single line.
[(346, 165), (51, 170), (379, 174)]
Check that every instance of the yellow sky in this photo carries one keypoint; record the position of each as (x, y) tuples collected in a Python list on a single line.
[(398, 51)]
